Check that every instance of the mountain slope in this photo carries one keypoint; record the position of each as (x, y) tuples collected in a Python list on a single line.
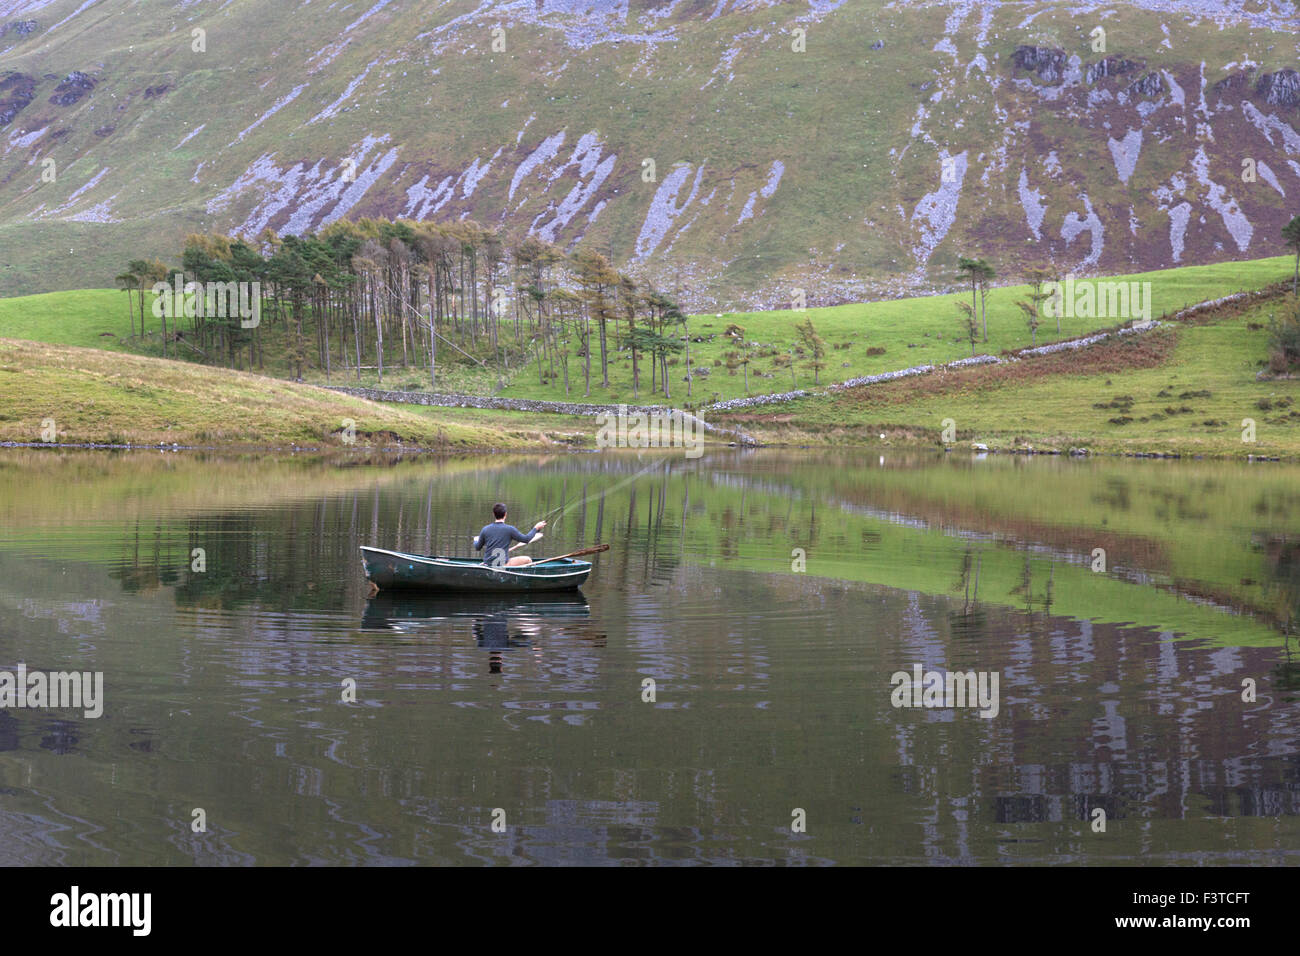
[(904, 134)]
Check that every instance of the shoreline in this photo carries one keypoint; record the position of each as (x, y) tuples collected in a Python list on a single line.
[(910, 446)]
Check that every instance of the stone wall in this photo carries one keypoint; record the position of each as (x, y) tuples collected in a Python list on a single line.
[(446, 400)]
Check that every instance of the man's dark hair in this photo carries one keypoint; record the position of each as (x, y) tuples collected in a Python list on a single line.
[(498, 510)]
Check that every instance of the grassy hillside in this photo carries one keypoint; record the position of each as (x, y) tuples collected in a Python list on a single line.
[(912, 331), (99, 396), (94, 318), (1184, 389), (775, 168)]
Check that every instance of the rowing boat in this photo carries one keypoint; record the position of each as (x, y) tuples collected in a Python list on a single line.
[(398, 571)]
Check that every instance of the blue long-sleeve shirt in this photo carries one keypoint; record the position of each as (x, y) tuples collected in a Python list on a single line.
[(495, 539)]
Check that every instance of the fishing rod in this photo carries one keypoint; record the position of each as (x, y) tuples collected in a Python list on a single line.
[(563, 509)]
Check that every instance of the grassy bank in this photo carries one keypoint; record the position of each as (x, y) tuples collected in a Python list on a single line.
[(1185, 389), (860, 339), (98, 396)]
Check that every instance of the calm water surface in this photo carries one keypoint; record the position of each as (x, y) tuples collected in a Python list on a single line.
[(768, 596)]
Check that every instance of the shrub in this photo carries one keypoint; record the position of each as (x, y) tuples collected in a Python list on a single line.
[(1284, 343)]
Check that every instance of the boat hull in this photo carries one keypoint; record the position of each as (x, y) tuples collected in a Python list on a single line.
[(399, 571)]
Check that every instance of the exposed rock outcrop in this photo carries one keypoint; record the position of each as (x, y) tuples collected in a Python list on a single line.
[(73, 87), (16, 91), (1149, 85), (20, 28), (1110, 66), (1280, 89), (1047, 62)]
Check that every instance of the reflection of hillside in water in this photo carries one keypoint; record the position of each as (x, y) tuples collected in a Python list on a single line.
[(772, 686), (1126, 719)]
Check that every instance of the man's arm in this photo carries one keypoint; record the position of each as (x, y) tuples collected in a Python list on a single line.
[(478, 542), (517, 535)]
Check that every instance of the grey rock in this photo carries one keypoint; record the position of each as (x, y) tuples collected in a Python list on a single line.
[(1280, 89)]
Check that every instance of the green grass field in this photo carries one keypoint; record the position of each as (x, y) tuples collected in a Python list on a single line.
[(1185, 390), (912, 331), (94, 318)]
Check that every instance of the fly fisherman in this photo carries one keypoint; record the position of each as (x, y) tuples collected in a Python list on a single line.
[(494, 540)]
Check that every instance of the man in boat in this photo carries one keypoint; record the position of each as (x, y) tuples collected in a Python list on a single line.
[(495, 539)]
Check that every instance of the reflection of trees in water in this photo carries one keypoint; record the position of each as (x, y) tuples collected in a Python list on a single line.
[(150, 559), (647, 549), (296, 555), (1286, 676), (1026, 587), (971, 620), (58, 735), (1282, 557)]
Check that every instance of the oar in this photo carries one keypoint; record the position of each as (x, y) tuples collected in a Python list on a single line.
[(574, 554)]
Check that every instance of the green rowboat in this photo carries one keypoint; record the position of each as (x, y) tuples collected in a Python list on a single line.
[(398, 571)]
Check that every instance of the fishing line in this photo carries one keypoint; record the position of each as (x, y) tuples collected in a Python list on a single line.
[(565, 509)]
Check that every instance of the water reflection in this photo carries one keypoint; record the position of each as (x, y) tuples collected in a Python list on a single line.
[(1121, 691), (499, 623)]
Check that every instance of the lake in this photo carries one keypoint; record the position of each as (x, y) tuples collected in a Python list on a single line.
[(725, 689)]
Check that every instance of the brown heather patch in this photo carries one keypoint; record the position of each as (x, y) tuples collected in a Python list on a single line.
[(1230, 310), (1107, 358)]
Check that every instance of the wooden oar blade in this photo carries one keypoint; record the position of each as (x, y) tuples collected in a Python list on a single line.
[(576, 554)]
